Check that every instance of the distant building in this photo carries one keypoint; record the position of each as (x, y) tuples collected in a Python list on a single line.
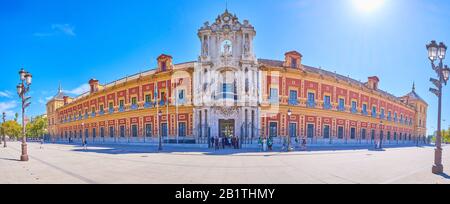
[(52, 114), (229, 92)]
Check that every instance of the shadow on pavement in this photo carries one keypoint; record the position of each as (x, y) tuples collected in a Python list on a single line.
[(117, 149), (8, 159), (444, 175), (152, 149), (377, 150)]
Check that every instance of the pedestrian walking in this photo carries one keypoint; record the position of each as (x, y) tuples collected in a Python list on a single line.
[(216, 143), (264, 144), (224, 141), (85, 145), (270, 143), (260, 143), (233, 142), (41, 142)]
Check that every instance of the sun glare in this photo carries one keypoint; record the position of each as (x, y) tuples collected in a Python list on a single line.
[(367, 6)]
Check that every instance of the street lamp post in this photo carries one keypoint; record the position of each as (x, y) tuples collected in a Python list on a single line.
[(381, 135), (436, 52), (3, 130), (22, 89), (83, 135), (160, 135), (289, 136)]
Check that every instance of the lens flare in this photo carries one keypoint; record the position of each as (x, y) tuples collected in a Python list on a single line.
[(367, 6)]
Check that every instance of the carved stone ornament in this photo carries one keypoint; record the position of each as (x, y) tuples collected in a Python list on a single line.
[(226, 111)]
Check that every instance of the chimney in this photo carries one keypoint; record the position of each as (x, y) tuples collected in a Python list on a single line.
[(373, 82), (93, 83), (293, 59)]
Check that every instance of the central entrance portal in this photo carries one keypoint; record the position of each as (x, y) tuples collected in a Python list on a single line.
[(226, 128)]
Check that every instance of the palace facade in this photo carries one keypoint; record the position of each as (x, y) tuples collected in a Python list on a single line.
[(228, 92)]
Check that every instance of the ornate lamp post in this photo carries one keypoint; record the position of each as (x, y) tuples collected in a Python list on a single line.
[(159, 132), (22, 89), (436, 52), (381, 135), (3, 132), (83, 134), (289, 135)]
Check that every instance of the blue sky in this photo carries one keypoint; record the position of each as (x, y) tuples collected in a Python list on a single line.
[(71, 41)]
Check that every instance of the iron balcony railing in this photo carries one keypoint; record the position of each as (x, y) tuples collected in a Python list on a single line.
[(293, 102), (327, 106), (311, 104), (364, 112), (374, 114), (148, 104), (162, 103), (227, 95)]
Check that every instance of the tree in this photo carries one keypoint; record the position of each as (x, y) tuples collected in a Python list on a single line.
[(37, 127), (16, 117), (12, 129), (446, 136)]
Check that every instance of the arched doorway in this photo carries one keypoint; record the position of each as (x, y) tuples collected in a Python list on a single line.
[(226, 128)]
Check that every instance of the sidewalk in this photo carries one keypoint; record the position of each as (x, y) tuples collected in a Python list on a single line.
[(57, 163)]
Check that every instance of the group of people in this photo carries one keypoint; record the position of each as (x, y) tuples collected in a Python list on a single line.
[(223, 142), (267, 144)]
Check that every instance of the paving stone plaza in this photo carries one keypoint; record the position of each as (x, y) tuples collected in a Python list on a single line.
[(62, 163)]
